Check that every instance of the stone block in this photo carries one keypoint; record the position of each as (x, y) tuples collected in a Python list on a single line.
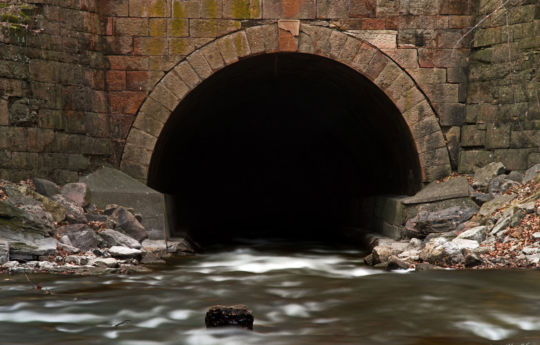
[(513, 159), (256, 38), (362, 8), (242, 9), (121, 45), (187, 74), (469, 160), (405, 58), (157, 27), (149, 8), (314, 40), (126, 102), (175, 85), (233, 47), (438, 191), (181, 46), (212, 54), (150, 46), (200, 65), (211, 8), (177, 27), (428, 125), (498, 135), (349, 51), (110, 8), (165, 97), (289, 9), (131, 26), (128, 63), (332, 9), (471, 135), (211, 27), (186, 9), (141, 80), (456, 7), (376, 65), (116, 80), (148, 124), (382, 39), (450, 114), (534, 158)]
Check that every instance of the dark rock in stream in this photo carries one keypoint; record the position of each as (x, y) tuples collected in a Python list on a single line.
[(234, 316)]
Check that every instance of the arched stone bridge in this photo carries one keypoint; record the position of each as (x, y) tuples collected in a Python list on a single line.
[(278, 102)]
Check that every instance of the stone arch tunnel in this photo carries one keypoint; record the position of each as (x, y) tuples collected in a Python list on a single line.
[(282, 145)]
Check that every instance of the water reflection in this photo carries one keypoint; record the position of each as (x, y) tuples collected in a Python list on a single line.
[(308, 296)]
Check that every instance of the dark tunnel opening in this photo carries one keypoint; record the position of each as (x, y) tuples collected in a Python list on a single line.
[(280, 145)]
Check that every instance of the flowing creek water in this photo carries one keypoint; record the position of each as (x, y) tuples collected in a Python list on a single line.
[(299, 294)]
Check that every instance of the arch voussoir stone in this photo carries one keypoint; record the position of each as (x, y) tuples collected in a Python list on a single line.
[(329, 43)]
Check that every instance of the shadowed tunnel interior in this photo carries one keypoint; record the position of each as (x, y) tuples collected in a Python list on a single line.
[(280, 145)]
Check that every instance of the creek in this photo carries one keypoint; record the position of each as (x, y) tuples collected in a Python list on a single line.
[(299, 294)]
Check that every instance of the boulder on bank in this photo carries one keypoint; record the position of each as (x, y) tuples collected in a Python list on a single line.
[(484, 175), (112, 186)]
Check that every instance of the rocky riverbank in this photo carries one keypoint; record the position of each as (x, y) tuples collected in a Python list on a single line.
[(47, 228), (494, 224)]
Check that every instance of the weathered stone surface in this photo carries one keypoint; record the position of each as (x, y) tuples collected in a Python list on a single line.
[(27, 251), (222, 316), (477, 234), (80, 236), (111, 186), (77, 193), (386, 249), (440, 221), (491, 206), (501, 184), (130, 224), (439, 251), (45, 187), (531, 173), (17, 225), (453, 188), (484, 175), (115, 238), (74, 213)]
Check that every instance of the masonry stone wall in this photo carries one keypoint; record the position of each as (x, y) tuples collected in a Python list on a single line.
[(74, 78), (502, 120)]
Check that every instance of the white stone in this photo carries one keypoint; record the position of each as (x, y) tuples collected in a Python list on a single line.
[(477, 234), (465, 244), (11, 264), (153, 245), (529, 250), (124, 252), (536, 235), (533, 259)]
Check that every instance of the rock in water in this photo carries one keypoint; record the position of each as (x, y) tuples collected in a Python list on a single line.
[(235, 316)]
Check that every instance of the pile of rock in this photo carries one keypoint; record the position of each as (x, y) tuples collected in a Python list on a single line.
[(491, 220), (47, 228)]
